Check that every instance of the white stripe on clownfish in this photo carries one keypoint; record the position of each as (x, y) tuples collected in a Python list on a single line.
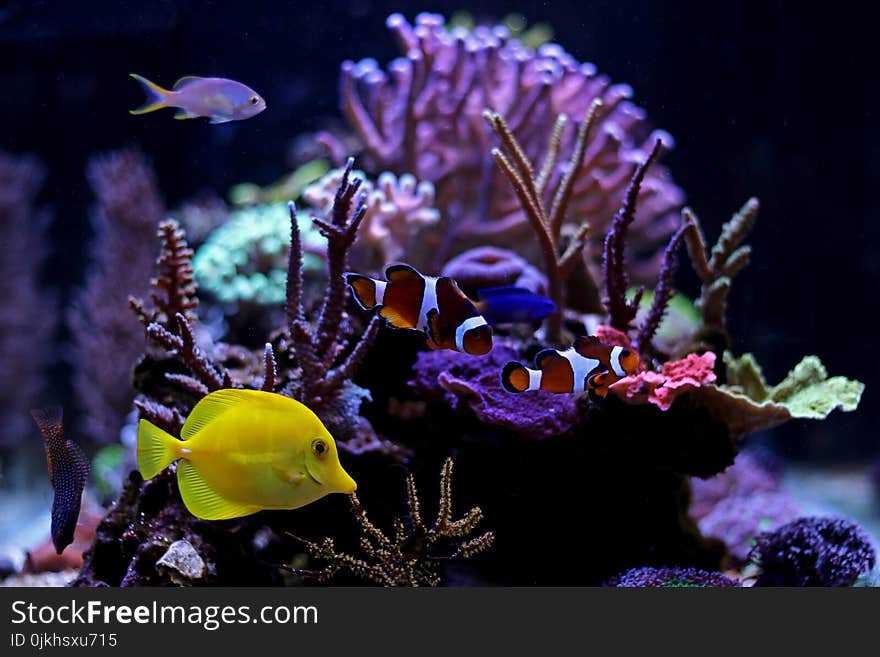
[(581, 367), (380, 290), (534, 379), (615, 361), (429, 301), (464, 327)]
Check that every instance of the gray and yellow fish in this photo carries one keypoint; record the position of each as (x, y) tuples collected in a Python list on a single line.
[(242, 451), (218, 99)]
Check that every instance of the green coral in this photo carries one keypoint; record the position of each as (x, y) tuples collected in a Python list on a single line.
[(245, 259), (806, 392), (747, 404), (288, 187)]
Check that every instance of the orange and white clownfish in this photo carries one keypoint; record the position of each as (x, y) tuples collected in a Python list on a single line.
[(408, 299), (588, 365)]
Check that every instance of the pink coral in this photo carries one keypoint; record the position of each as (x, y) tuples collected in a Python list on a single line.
[(662, 388)]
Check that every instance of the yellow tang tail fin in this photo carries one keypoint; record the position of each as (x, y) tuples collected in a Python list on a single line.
[(157, 449), (157, 97)]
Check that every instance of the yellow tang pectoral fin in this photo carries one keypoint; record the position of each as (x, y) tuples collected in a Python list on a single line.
[(203, 501), (289, 475)]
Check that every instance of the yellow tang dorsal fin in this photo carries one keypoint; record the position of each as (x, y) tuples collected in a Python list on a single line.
[(203, 501), (216, 404), (185, 80)]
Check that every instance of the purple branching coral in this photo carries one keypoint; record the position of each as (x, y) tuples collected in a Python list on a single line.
[(671, 578), (312, 361), (27, 320), (813, 551), (107, 339), (424, 116)]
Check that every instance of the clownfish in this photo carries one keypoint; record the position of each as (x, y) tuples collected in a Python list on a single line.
[(588, 365), (408, 299)]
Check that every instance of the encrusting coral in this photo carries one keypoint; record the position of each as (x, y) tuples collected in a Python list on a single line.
[(411, 556), (671, 578), (27, 317), (107, 339)]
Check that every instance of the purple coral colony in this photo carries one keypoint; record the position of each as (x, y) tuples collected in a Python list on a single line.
[(479, 288)]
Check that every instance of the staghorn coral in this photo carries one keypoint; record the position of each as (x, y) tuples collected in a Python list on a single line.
[(716, 271), (813, 551), (546, 220), (107, 339), (27, 321), (397, 211), (423, 115), (671, 578), (411, 556)]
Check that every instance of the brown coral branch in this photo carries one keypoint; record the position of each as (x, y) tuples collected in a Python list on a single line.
[(514, 163), (620, 312), (409, 556), (716, 272), (188, 384), (213, 375), (174, 288), (162, 416), (271, 368), (563, 192)]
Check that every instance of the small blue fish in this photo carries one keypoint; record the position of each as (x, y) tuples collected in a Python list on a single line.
[(510, 304), (218, 99)]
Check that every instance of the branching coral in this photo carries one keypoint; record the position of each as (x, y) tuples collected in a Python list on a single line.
[(397, 209), (27, 319), (107, 338), (813, 551), (423, 116), (727, 259), (412, 554), (546, 220)]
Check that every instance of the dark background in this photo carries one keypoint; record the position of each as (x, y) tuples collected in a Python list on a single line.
[(771, 99)]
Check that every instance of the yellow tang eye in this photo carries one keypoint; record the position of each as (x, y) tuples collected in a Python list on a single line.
[(319, 447)]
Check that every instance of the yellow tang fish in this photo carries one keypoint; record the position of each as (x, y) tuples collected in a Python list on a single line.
[(218, 99), (242, 451)]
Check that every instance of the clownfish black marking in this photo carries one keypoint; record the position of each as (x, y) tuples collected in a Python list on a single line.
[(408, 299), (588, 365), (68, 470)]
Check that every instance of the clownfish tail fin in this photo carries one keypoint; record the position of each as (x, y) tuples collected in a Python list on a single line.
[(515, 377)]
